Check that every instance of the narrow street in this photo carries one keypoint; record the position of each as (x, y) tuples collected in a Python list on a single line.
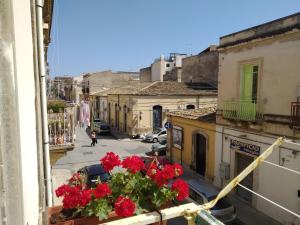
[(83, 155)]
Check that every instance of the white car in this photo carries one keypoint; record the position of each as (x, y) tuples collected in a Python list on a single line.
[(156, 136)]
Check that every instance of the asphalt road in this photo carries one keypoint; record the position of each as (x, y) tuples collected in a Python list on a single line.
[(83, 154)]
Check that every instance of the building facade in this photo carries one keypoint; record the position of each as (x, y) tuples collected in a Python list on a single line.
[(258, 86), (201, 68), (191, 139), (142, 108), (161, 67)]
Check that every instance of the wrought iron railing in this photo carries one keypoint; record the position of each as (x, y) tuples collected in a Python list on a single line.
[(295, 114), (241, 110), (61, 127)]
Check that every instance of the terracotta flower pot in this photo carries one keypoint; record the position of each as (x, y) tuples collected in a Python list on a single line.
[(91, 220)]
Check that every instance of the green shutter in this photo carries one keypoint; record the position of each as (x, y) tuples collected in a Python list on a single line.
[(247, 83), (247, 108)]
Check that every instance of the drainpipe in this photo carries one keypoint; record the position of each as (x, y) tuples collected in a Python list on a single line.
[(41, 62)]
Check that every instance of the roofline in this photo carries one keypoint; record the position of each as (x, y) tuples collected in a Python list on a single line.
[(260, 25)]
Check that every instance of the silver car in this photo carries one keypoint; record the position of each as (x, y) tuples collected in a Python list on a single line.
[(156, 136), (202, 192)]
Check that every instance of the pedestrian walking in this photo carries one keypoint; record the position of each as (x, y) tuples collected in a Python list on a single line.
[(94, 140)]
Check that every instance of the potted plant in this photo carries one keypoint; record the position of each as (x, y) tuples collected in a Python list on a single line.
[(134, 189)]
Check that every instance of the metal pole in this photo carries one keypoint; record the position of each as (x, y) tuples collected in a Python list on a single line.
[(41, 62)]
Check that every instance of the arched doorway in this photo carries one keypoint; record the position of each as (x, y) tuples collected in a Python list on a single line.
[(109, 114), (190, 107), (200, 146), (125, 118), (157, 117)]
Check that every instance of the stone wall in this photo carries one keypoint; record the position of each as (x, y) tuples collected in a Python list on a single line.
[(145, 74), (201, 68)]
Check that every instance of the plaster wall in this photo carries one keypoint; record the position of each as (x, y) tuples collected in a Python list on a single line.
[(274, 183), (191, 127), (279, 71)]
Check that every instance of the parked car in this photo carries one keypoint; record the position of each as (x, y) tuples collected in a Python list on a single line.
[(202, 192), (162, 160), (93, 173), (96, 125), (160, 148), (156, 136), (100, 127)]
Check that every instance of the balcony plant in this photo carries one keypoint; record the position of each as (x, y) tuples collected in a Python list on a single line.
[(136, 188)]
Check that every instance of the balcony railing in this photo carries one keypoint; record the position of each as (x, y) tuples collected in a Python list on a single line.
[(241, 110), (295, 114)]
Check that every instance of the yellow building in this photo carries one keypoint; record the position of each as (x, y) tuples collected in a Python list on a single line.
[(191, 139), (140, 108)]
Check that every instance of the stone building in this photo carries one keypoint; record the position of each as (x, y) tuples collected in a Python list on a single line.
[(95, 82), (201, 68), (258, 101), (140, 108)]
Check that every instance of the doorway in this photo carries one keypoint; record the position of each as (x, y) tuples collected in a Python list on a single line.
[(200, 150), (242, 161), (116, 116), (157, 117), (125, 118)]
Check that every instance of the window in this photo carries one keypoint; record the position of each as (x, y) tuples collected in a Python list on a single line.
[(167, 65), (177, 137), (249, 82), (190, 107), (163, 132)]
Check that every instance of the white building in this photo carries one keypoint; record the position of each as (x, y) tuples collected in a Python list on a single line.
[(161, 66), (22, 174), (258, 86)]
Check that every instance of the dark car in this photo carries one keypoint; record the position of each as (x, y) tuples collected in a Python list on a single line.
[(162, 160), (159, 148), (93, 173)]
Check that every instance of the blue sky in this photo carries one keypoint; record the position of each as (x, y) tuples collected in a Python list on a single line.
[(97, 35)]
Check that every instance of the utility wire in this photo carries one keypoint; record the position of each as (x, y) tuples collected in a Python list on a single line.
[(270, 201), (282, 167)]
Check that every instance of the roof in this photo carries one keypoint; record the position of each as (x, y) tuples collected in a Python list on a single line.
[(131, 88), (173, 88), (207, 113), (156, 88)]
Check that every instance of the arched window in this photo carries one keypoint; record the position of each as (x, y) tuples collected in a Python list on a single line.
[(157, 117), (190, 107)]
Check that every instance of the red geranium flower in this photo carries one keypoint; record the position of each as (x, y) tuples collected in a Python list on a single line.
[(110, 160), (124, 206), (133, 164), (168, 172), (72, 198), (62, 190), (178, 169), (102, 190), (152, 169), (85, 197), (182, 188)]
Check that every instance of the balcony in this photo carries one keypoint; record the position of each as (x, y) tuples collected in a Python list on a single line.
[(295, 114), (241, 110)]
